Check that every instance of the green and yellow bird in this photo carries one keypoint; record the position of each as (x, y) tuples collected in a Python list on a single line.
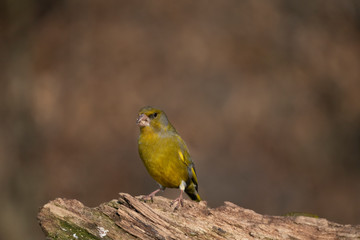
[(165, 154)]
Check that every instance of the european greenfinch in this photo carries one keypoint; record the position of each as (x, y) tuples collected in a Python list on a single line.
[(165, 155)]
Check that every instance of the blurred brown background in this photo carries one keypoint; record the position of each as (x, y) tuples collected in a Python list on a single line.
[(265, 93)]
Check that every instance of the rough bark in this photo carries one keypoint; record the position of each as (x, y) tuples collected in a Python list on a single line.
[(131, 218)]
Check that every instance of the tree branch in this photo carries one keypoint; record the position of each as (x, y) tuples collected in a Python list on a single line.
[(130, 218)]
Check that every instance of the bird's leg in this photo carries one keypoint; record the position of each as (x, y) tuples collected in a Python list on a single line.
[(151, 195), (179, 200)]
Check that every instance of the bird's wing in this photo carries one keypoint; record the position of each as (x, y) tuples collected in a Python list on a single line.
[(183, 151), (185, 157)]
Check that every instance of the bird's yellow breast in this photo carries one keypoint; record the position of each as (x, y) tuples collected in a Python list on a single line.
[(163, 158)]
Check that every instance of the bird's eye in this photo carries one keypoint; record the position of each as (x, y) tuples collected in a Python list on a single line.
[(152, 116)]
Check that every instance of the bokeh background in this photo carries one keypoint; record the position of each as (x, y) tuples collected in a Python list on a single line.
[(265, 93)]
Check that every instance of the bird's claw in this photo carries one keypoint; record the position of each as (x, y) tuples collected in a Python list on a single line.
[(150, 196), (147, 198), (178, 202)]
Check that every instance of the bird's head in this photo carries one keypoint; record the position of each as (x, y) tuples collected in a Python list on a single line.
[(153, 118)]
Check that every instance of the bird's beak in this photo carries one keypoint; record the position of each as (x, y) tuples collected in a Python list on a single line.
[(143, 121)]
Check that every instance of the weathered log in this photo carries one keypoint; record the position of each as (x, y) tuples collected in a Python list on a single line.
[(131, 218)]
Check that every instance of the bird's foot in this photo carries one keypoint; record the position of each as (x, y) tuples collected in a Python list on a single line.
[(150, 197), (177, 202), (147, 198)]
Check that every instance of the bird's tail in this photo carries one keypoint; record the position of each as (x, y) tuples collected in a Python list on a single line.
[(193, 194)]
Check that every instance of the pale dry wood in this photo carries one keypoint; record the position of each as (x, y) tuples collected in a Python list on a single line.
[(131, 218)]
